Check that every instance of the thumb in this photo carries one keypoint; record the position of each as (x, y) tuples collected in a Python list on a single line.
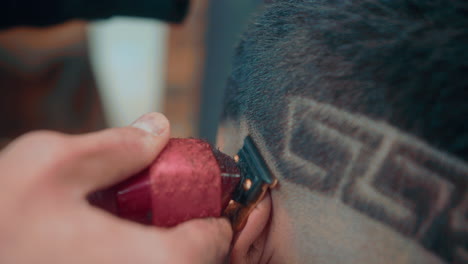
[(200, 241), (103, 158)]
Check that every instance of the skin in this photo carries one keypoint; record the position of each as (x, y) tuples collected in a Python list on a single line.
[(45, 217), (306, 227)]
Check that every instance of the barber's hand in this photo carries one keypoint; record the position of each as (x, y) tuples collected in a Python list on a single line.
[(45, 218)]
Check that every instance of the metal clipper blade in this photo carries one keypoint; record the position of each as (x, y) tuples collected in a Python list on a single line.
[(255, 181)]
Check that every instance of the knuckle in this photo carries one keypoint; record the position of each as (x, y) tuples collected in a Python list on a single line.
[(39, 152), (41, 140), (43, 146), (39, 136)]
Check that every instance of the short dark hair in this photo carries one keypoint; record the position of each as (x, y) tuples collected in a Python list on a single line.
[(402, 61)]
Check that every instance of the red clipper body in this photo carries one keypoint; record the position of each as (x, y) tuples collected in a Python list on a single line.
[(189, 179)]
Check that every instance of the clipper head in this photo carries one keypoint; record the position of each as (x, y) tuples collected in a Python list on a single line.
[(256, 180)]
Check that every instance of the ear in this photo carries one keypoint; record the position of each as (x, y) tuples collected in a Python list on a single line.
[(250, 242)]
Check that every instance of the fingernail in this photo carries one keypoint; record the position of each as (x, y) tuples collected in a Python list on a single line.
[(154, 123)]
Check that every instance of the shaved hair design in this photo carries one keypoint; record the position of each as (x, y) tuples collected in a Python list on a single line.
[(365, 102)]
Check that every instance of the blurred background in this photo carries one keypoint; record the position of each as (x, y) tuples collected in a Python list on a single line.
[(78, 76)]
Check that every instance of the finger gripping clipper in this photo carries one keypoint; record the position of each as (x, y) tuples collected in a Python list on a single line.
[(190, 179)]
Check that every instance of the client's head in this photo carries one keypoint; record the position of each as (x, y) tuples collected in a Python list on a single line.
[(359, 108)]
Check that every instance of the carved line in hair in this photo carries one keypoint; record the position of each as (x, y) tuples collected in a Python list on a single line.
[(382, 172)]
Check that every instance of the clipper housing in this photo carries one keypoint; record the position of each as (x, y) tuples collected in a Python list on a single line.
[(188, 180)]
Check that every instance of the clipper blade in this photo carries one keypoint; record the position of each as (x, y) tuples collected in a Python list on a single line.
[(256, 180)]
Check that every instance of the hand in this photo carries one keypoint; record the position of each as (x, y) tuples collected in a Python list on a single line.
[(45, 218)]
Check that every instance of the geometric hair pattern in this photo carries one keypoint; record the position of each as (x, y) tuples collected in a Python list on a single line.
[(383, 173)]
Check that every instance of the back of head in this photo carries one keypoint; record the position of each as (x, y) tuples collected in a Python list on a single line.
[(360, 106), (403, 62)]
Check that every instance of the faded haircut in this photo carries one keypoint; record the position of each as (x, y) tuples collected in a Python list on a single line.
[(332, 85), (401, 61)]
